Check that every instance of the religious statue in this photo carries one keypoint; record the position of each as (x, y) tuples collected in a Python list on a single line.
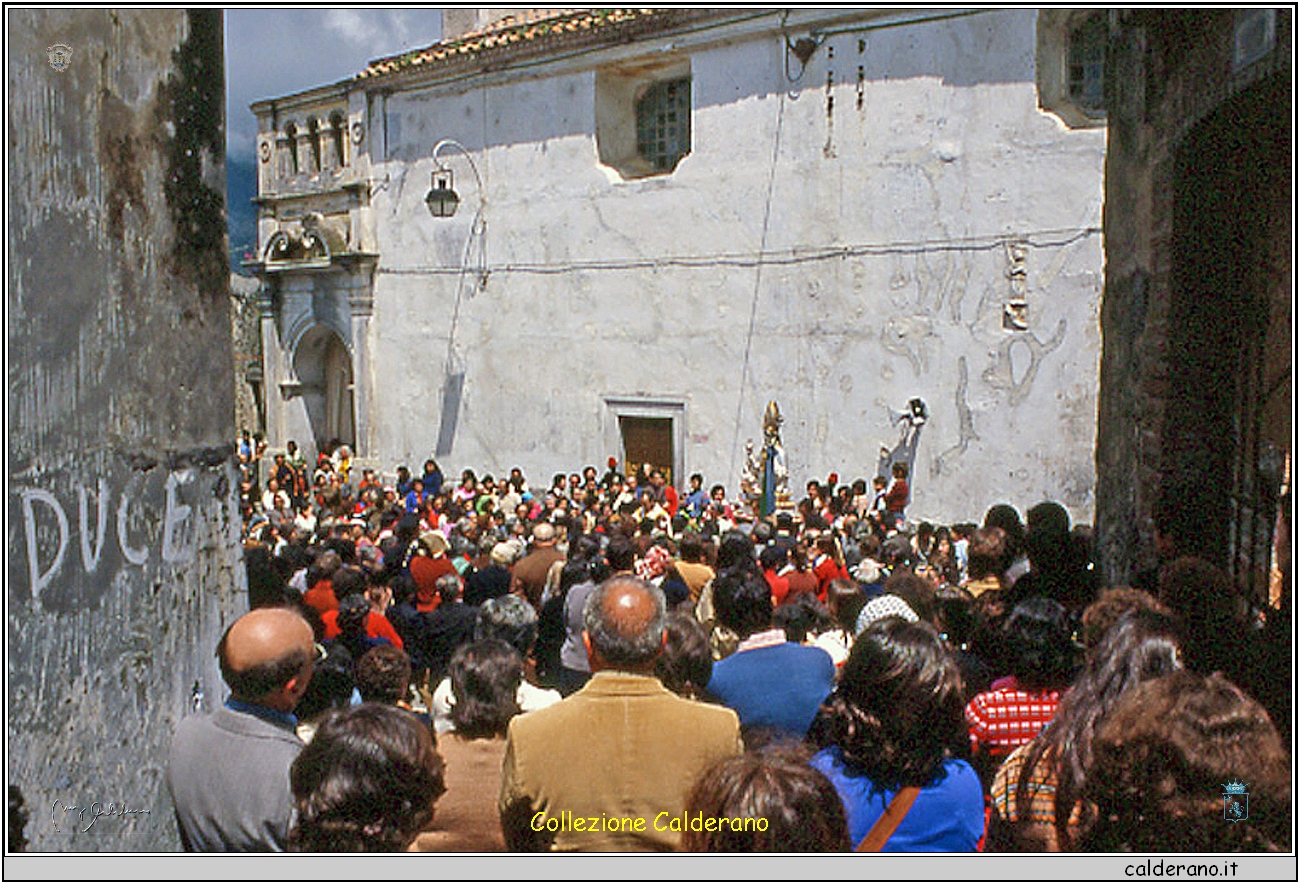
[(765, 482), (909, 422)]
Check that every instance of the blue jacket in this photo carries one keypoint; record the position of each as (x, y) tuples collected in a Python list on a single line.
[(947, 817), (778, 687)]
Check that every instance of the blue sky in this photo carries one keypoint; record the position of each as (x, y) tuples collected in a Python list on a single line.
[(274, 52)]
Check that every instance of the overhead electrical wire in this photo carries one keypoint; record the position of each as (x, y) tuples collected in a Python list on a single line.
[(1038, 239)]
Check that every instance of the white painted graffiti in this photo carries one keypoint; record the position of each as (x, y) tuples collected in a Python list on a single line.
[(178, 530)]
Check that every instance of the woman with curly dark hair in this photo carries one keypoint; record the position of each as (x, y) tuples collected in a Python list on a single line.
[(893, 732), (794, 808), (1037, 793), (365, 783), (1041, 656), (1191, 764)]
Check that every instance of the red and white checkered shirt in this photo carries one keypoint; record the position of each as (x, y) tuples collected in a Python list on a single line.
[(1000, 720)]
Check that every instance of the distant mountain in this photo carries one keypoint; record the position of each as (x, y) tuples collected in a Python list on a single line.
[(241, 214)]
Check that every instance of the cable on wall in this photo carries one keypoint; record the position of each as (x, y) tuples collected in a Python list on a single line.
[(758, 277), (1040, 239)]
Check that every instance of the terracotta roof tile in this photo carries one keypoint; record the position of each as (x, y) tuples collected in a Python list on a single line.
[(535, 28)]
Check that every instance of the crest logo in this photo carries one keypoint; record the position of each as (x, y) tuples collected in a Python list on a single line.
[(60, 56), (1236, 802)]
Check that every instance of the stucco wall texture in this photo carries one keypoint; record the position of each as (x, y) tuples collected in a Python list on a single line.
[(918, 151), (123, 535)]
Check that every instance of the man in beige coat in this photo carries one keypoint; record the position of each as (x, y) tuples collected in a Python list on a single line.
[(609, 768)]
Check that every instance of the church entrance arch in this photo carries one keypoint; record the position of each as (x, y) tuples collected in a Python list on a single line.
[(323, 367)]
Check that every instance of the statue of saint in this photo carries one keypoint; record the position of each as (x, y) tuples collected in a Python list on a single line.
[(765, 482)]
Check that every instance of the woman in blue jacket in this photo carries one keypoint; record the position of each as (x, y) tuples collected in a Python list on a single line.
[(895, 721)]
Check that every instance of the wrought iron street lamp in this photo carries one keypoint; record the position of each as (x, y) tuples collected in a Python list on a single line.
[(442, 198), (442, 201)]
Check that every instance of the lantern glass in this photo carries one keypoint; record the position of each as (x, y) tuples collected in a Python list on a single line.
[(442, 198)]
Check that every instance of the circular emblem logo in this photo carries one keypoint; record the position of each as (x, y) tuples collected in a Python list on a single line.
[(59, 56)]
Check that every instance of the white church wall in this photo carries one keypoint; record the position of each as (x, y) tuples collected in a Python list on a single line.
[(919, 173)]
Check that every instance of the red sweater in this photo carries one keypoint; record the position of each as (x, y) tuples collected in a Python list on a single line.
[(377, 626), (826, 571), (321, 597), (780, 587), (896, 496), (1000, 720)]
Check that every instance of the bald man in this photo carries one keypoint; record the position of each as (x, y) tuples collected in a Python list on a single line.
[(623, 751), (228, 772), (528, 576)]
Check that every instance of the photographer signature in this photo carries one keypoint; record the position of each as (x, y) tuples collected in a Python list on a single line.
[(87, 816)]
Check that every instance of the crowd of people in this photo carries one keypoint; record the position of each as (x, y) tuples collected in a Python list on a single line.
[(607, 662)]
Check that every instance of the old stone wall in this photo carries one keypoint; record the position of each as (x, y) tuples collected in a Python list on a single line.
[(124, 557), (1167, 73), (246, 333)]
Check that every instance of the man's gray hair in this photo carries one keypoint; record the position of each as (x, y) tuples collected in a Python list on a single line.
[(448, 587), (543, 532), (509, 619), (624, 642)]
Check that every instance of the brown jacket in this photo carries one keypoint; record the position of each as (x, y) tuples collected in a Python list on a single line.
[(465, 817), (694, 575), (530, 573), (623, 750)]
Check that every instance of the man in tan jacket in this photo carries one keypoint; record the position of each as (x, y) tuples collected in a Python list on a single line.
[(609, 768)]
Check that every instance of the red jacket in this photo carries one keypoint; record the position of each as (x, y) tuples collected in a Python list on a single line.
[(321, 597), (826, 571), (897, 495), (780, 587), (377, 626)]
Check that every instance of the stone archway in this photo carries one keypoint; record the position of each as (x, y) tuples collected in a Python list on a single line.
[(323, 366), (1229, 419)]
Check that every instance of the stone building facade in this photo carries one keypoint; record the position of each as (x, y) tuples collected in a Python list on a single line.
[(125, 563), (246, 337), (668, 218), (1197, 391)]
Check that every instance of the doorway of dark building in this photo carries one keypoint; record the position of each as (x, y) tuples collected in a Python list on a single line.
[(647, 440), (1228, 428)]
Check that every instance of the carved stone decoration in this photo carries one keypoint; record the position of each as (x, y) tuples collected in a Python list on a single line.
[(289, 247), (1001, 374), (316, 241), (358, 133), (264, 151), (1015, 312)]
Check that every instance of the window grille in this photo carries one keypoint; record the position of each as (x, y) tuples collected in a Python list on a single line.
[(1087, 71), (663, 123)]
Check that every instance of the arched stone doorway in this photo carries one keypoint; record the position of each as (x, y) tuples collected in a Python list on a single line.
[(323, 366), (1229, 418)]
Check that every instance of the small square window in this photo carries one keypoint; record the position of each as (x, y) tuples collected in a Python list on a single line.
[(663, 124), (1087, 73), (643, 117), (1070, 62)]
